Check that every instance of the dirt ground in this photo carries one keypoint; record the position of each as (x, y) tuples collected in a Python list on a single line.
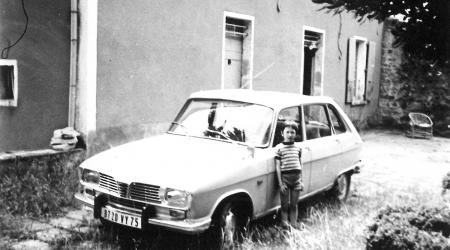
[(393, 163), (394, 160)]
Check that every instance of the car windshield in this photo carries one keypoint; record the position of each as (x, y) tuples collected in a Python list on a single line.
[(225, 120)]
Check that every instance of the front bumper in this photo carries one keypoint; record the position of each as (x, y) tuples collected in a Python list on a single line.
[(188, 226)]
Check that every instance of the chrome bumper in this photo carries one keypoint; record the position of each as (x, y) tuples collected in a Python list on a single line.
[(84, 200), (188, 226)]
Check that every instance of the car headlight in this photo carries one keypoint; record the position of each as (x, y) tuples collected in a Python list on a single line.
[(90, 176), (176, 198)]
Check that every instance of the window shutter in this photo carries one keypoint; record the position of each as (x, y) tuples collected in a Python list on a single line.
[(370, 69), (361, 72), (351, 70)]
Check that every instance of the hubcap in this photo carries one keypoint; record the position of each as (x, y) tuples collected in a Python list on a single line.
[(229, 228)]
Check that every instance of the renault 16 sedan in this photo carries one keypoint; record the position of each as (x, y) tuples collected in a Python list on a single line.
[(214, 169)]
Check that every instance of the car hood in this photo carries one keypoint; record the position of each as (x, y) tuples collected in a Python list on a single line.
[(174, 161)]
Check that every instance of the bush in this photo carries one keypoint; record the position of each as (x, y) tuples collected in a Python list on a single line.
[(410, 228), (40, 185)]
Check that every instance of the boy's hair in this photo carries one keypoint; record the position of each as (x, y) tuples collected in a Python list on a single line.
[(290, 124)]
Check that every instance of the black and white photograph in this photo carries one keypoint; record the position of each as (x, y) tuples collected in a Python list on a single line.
[(225, 124)]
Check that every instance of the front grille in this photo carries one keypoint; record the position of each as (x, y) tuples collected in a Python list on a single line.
[(137, 191), (107, 182), (144, 192), (126, 203), (122, 189)]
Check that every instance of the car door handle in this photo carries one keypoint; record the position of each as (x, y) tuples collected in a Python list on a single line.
[(308, 148), (259, 182)]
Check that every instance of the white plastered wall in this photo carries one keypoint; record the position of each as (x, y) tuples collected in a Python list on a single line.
[(85, 120)]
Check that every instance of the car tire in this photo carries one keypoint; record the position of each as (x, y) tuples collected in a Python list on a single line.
[(341, 188), (230, 224), (107, 225)]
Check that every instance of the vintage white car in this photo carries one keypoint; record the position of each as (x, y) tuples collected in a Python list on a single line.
[(215, 168)]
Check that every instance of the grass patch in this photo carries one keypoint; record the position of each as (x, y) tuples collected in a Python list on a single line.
[(14, 227), (329, 225), (39, 186), (90, 236), (35, 187)]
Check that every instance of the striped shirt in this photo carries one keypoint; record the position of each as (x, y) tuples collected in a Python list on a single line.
[(289, 154)]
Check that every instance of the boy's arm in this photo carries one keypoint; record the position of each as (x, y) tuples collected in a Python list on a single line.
[(278, 169), (300, 154)]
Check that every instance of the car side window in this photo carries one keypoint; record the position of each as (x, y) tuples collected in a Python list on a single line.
[(337, 121), (292, 114), (317, 124)]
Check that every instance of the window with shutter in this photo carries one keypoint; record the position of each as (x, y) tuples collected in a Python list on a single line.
[(237, 51), (370, 69), (359, 70), (351, 70), (8, 82), (313, 61)]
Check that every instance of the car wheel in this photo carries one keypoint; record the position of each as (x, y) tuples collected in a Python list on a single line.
[(341, 188), (230, 225)]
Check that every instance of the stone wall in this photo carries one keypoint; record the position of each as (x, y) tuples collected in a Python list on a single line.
[(410, 84), (390, 111)]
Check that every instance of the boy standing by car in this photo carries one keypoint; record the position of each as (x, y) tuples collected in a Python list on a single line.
[(289, 173)]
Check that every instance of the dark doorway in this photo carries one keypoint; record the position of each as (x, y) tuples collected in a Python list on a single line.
[(308, 70)]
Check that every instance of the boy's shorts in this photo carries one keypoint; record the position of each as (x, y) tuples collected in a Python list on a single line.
[(293, 180)]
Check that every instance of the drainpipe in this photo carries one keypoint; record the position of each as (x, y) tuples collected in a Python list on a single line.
[(73, 62)]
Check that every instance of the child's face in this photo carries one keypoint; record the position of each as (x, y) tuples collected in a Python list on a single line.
[(289, 134)]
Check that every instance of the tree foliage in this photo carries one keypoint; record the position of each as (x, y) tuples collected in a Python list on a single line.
[(425, 28)]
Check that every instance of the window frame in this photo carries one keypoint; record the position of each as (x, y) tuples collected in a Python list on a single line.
[(357, 66), (331, 109), (301, 124), (15, 89), (320, 60), (327, 114), (249, 76)]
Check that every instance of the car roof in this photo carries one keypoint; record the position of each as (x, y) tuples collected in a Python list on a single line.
[(272, 99)]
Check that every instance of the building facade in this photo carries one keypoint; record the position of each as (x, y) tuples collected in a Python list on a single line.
[(34, 72), (137, 61)]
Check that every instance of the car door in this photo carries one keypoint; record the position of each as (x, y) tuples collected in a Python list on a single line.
[(345, 139), (294, 114), (322, 144)]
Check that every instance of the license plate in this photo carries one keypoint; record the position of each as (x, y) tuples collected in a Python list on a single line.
[(121, 218)]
